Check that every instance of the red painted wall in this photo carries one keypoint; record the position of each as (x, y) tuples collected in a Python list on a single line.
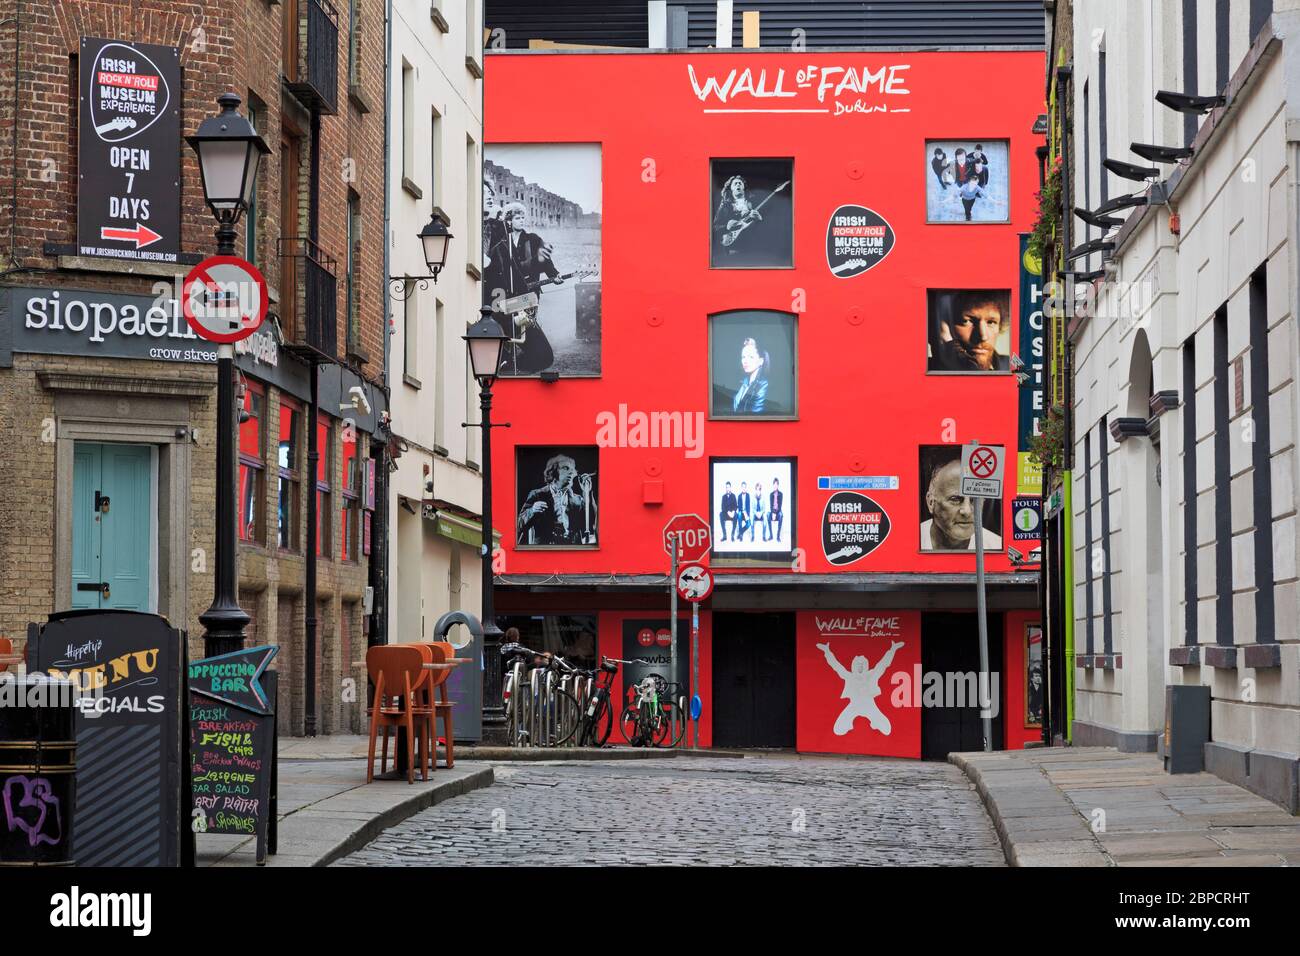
[(863, 388), (1013, 695)]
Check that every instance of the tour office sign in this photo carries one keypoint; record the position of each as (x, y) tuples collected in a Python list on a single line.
[(129, 154)]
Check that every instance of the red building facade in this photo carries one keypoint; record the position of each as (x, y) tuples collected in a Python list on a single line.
[(845, 292)]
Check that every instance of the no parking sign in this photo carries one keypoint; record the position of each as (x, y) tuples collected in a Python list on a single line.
[(224, 299)]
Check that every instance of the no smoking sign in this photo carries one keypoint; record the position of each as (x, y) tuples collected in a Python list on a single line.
[(224, 299), (981, 470)]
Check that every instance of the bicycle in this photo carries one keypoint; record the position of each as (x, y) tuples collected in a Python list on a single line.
[(645, 722), (598, 714), (540, 710)]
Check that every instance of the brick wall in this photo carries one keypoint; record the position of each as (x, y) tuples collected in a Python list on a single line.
[(225, 45)]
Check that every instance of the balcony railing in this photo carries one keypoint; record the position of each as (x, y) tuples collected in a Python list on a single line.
[(314, 78), (307, 274)]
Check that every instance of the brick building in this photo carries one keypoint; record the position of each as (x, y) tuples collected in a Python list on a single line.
[(127, 413)]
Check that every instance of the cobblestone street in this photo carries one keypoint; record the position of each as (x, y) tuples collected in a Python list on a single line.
[(767, 810)]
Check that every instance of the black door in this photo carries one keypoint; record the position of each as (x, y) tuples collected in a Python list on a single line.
[(753, 680), (950, 648)]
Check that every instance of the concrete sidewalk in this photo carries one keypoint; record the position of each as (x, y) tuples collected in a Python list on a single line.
[(326, 809), (349, 746), (1095, 806)]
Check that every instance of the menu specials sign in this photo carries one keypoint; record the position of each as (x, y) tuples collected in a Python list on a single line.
[(129, 151)]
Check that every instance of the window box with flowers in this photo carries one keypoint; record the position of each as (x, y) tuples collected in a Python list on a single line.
[(1049, 211)]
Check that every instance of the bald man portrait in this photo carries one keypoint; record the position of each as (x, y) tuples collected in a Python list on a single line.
[(953, 516)]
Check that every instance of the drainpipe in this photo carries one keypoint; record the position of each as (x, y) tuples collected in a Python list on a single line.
[(313, 457)]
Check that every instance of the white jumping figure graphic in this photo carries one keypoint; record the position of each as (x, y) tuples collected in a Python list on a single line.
[(861, 688)]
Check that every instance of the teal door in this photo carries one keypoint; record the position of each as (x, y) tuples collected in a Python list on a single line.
[(112, 551)]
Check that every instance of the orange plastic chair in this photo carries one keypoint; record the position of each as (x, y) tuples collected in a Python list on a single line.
[(443, 652), (7, 647), (395, 670)]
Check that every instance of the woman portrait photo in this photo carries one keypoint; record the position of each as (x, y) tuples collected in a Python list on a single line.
[(752, 365)]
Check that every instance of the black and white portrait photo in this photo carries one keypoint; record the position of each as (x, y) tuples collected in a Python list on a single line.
[(967, 181), (969, 330), (753, 362), (949, 519), (556, 494), (752, 214), (752, 507), (1034, 676), (541, 255)]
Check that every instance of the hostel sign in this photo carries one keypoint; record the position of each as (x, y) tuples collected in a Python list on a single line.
[(128, 162)]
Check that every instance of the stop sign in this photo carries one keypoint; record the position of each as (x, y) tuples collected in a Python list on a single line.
[(692, 535)]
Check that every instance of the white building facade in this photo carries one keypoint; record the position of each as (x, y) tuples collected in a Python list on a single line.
[(435, 136), (1185, 360)]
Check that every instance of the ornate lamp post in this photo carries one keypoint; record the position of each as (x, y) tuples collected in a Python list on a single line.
[(435, 238), (485, 340), (229, 152)]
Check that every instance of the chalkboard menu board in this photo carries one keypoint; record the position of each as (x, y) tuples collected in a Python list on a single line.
[(232, 745), (128, 668)]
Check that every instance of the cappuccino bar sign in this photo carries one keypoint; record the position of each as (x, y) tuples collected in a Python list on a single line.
[(129, 149)]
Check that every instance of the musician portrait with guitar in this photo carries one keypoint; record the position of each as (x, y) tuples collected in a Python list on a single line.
[(563, 511), (747, 231)]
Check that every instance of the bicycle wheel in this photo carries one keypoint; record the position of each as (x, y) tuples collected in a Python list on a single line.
[(564, 718), (603, 722), (629, 725), (661, 728)]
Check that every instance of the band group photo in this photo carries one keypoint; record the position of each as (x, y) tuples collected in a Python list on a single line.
[(967, 181), (752, 214), (752, 506), (541, 255), (556, 496)]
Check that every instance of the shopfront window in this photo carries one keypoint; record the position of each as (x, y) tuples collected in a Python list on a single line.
[(350, 511), (324, 545), (290, 474), (252, 466)]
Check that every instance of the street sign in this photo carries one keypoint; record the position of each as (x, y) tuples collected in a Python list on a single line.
[(224, 299), (694, 582), (1025, 519), (128, 151), (692, 536), (981, 470)]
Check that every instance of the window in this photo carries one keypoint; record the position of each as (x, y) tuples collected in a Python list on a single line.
[(352, 316), (290, 157), (473, 39), (1190, 587), (252, 237), (324, 545), (408, 120), (435, 157), (472, 439), (410, 341), (1101, 123), (350, 511), (1190, 78), (1222, 481), (289, 473), (252, 466), (439, 383), (354, 43), (473, 199)]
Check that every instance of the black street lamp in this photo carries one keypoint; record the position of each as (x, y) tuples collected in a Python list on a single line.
[(229, 152), (485, 340), (435, 238)]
